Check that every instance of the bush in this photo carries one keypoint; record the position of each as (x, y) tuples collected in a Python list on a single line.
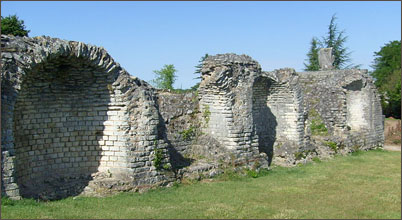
[(206, 114), (158, 159), (188, 133), (332, 145)]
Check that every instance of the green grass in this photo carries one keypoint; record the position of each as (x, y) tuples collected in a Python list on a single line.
[(362, 185), (392, 119)]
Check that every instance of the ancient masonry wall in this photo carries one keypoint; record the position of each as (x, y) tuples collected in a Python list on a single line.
[(225, 95), (284, 99), (348, 103), (69, 112), (74, 122), (251, 111), (179, 124)]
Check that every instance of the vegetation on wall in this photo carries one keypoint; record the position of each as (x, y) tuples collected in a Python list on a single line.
[(206, 114), (189, 133), (158, 158), (317, 126), (332, 145)]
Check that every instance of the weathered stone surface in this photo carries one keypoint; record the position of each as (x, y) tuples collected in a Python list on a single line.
[(69, 111), (326, 59), (75, 122)]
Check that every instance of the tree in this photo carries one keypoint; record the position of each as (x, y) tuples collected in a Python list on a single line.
[(336, 40), (387, 72), (312, 56), (195, 87), (199, 66), (11, 25), (165, 77)]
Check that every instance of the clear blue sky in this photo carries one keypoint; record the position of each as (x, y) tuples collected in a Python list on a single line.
[(143, 36)]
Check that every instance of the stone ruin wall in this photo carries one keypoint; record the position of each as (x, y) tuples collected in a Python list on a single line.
[(349, 105), (69, 115), (74, 122)]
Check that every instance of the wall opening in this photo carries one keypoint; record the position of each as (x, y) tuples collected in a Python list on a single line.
[(264, 121), (359, 107), (59, 119)]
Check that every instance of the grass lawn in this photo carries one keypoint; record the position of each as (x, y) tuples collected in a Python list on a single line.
[(363, 185)]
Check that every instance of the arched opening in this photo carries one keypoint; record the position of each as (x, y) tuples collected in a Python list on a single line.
[(359, 109), (264, 120), (59, 127)]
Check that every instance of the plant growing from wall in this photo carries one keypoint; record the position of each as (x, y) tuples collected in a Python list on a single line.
[(299, 155), (206, 114), (158, 158), (188, 133), (167, 166), (332, 145), (317, 125)]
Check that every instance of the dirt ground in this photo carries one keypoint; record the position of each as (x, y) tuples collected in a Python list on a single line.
[(392, 133)]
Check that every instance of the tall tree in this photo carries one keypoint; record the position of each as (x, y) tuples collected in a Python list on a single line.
[(387, 72), (165, 77), (312, 56), (336, 39), (199, 66), (198, 72), (12, 25)]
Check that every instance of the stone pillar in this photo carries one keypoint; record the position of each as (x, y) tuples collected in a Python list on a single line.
[(326, 59)]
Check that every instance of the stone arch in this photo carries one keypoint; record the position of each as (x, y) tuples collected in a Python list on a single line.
[(67, 118), (264, 121), (359, 109), (278, 113)]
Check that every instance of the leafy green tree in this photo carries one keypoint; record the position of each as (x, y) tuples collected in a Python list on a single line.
[(165, 77), (387, 72), (199, 66), (336, 39), (312, 56), (11, 25)]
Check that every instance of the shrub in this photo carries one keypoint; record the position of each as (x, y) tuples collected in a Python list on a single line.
[(332, 145), (317, 125), (299, 155), (206, 114), (188, 133), (158, 159)]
